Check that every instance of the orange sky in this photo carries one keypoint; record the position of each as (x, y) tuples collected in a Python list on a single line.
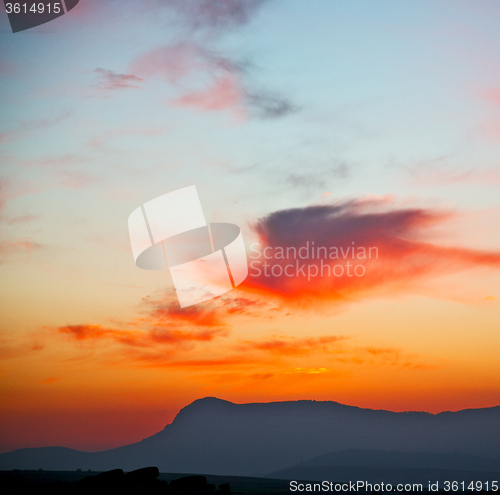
[(366, 124)]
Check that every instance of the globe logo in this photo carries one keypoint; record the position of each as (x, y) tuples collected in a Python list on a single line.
[(205, 260)]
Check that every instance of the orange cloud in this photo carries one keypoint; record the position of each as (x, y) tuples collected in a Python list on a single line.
[(165, 310), (49, 380), (138, 338), (295, 347)]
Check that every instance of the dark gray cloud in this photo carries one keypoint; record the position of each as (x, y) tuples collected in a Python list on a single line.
[(319, 177), (269, 105), (215, 14)]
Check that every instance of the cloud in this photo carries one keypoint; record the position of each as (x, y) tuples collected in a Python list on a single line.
[(161, 321), (28, 127), (174, 63), (19, 246), (163, 332), (10, 189), (3, 194), (22, 219), (320, 177), (223, 94), (295, 347), (136, 338), (368, 247), (166, 310), (75, 179), (242, 305), (198, 339), (101, 140), (50, 380), (109, 80), (269, 105), (314, 371), (488, 177), (18, 346), (205, 80), (492, 95), (442, 170), (212, 17), (34, 176), (209, 81), (215, 14)]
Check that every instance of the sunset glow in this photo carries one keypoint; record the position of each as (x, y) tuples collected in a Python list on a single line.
[(335, 125)]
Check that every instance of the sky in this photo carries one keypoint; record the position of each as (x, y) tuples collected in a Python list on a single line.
[(367, 124)]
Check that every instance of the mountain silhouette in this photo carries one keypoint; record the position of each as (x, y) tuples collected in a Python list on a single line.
[(375, 466), (214, 436)]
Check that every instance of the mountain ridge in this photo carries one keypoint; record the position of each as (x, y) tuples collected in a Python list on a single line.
[(216, 436)]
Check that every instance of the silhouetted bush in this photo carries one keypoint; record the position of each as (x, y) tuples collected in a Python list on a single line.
[(190, 485), (224, 488), (143, 476), (113, 477)]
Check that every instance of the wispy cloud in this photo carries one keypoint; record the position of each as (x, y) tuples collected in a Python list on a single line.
[(22, 219), (75, 179), (442, 170), (108, 80), (28, 127), (219, 15), (19, 246), (294, 347), (137, 338), (209, 81), (180, 349), (270, 105), (100, 141)]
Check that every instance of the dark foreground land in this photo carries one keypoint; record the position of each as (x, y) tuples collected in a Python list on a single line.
[(148, 481), (144, 481)]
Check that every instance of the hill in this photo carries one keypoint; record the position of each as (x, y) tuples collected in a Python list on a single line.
[(214, 436)]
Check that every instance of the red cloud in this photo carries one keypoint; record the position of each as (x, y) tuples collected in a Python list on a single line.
[(175, 348), (165, 311), (388, 246)]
